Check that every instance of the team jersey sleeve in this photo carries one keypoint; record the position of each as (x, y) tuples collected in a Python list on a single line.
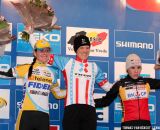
[(55, 60), (57, 92), (58, 61), (16, 72), (21, 71), (55, 73), (109, 97), (101, 80), (7, 74), (154, 83)]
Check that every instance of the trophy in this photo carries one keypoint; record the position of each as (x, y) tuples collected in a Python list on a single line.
[(5, 36), (37, 14)]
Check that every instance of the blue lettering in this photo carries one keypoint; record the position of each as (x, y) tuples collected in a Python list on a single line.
[(46, 86), (100, 116), (39, 85), (131, 95), (31, 84), (34, 86), (143, 93)]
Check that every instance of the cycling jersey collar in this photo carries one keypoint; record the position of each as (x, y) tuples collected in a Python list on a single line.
[(134, 80), (39, 63), (80, 60)]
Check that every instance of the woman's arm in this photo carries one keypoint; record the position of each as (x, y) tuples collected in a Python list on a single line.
[(57, 92), (8, 74), (109, 97)]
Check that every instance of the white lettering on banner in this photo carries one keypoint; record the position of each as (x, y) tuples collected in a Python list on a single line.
[(102, 114), (151, 107), (54, 106), (118, 107), (4, 67), (47, 37), (19, 105), (128, 44), (105, 75), (19, 35)]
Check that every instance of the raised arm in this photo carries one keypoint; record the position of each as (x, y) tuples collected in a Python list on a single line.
[(32, 40)]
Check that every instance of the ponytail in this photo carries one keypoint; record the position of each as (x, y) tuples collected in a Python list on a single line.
[(31, 67)]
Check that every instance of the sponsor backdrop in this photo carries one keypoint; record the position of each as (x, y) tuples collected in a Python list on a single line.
[(116, 28)]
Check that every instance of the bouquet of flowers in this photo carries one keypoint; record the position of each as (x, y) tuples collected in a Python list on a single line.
[(37, 13), (5, 36)]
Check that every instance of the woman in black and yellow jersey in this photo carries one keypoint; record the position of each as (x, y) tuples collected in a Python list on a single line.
[(133, 91), (40, 80)]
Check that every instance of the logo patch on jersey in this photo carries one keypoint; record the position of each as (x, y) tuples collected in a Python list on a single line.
[(135, 92), (39, 85), (39, 93), (41, 79), (82, 75), (46, 73), (36, 72)]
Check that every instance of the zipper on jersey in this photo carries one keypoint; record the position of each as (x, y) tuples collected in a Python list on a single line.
[(138, 102)]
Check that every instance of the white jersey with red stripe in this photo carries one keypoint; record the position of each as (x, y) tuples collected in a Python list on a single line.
[(80, 77)]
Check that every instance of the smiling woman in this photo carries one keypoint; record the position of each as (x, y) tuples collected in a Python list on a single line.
[(42, 51), (80, 76), (133, 91), (40, 80)]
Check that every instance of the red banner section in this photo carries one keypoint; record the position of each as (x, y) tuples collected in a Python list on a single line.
[(144, 5)]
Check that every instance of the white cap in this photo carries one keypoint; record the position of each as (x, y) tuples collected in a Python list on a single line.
[(133, 60)]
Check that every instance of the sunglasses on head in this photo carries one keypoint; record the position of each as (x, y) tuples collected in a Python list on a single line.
[(43, 49)]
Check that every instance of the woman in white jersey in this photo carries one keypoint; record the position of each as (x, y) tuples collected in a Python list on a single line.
[(40, 80), (80, 77)]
